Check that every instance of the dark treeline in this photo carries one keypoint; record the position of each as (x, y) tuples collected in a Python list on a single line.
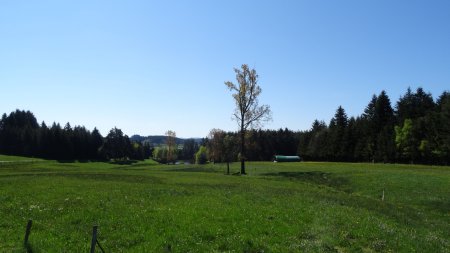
[(20, 134), (416, 131), (261, 145)]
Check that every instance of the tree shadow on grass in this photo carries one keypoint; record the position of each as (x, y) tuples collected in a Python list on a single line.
[(28, 248), (405, 214), (117, 162), (93, 176), (124, 162), (194, 169), (316, 177), (79, 160), (66, 161), (436, 205)]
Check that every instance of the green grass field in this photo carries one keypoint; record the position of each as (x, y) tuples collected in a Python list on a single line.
[(277, 207)]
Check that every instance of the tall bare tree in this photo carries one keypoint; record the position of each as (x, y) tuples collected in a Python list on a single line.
[(171, 146), (248, 113)]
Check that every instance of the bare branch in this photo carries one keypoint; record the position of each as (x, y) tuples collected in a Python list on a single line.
[(246, 96)]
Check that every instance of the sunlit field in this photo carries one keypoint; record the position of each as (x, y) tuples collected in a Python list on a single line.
[(277, 207)]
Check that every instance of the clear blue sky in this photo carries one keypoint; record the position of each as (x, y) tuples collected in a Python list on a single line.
[(147, 66)]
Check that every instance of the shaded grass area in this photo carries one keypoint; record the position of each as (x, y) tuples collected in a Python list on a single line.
[(296, 207), (316, 177)]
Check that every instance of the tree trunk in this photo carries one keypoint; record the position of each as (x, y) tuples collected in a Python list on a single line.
[(242, 151), (228, 167)]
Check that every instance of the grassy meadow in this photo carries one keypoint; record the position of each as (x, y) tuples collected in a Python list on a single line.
[(277, 207)]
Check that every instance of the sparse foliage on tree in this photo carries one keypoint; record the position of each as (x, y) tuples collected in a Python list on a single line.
[(215, 144), (201, 157), (171, 146), (229, 150), (221, 147), (248, 113)]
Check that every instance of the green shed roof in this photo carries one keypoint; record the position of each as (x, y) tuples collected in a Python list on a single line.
[(284, 158)]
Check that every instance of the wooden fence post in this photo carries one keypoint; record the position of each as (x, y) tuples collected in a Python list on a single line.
[(27, 232), (94, 239)]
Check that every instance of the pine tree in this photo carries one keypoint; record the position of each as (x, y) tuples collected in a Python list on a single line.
[(384, 129), (117, 146), (338, 143), (95, 143), (441, 150)]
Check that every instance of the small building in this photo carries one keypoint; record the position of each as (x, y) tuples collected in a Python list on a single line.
[(284, 158)]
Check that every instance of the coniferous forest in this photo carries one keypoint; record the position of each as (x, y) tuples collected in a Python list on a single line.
[(416, 129), (20, 134)]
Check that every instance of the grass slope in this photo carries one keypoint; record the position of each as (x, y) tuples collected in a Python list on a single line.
[(284, 207), (10, 158)]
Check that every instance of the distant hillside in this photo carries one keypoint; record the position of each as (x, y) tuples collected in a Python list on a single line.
[(159, 139)]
